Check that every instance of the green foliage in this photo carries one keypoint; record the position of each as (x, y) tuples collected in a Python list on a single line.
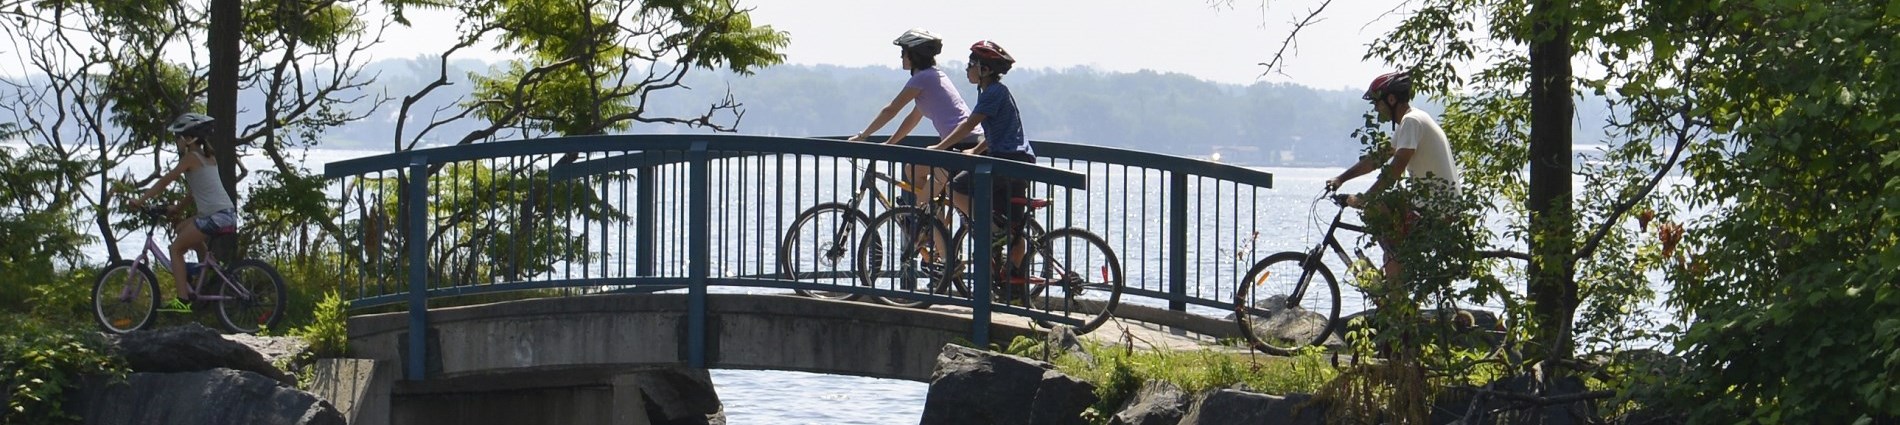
[(1783, 110), (328, 332), (1118, 372), (39, 244), (40, 361), (1791, 278), (582, 74)]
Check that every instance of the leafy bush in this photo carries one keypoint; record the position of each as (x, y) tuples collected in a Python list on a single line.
[(40, 360), (328, 332)]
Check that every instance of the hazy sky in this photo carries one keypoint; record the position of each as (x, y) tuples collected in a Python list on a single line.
[(1186, 36)]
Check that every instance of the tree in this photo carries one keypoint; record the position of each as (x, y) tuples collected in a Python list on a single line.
[(109, 75), (1777, 113)]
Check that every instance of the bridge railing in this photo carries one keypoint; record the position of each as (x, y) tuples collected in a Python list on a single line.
[(691, 212)]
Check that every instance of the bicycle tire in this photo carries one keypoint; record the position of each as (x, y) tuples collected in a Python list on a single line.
[(822, 263), (129, 301), (1031, 228), (1066, 259), (903, 266), (1279, 275), (260, 306)]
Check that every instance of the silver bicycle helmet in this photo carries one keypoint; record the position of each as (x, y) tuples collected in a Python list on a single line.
[(916, 37), (191, 123)]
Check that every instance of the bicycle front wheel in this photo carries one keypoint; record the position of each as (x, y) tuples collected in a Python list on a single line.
[(817, 248), (907, 249), (1284, 305), (253, 300), (125, 297), (1075, 277)]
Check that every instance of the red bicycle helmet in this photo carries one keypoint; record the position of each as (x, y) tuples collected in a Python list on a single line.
[(991, 55), (1398, 83)]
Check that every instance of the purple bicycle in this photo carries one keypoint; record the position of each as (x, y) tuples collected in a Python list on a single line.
[(249, 294)]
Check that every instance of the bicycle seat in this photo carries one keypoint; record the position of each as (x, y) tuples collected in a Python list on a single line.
[(1032, 203)]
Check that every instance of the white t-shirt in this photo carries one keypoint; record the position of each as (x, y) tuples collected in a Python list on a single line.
[(1432, 156)]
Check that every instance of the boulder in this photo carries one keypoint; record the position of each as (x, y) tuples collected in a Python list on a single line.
[(217, 396), (1287, 322), (1454, 406), (979, 387), (1156, 403), (1226, 406), (679, 396), (193, 348), (1061, 339)]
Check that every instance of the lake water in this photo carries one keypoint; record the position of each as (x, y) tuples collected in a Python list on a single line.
[(774, 397)]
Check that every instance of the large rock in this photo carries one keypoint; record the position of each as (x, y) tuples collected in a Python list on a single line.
[(193, 348), (1225, 407), (1285, 322), (679, 396), (219, 396), (1156, 403), (979, 387)]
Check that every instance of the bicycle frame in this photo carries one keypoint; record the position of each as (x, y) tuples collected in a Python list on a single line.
[(1314, 255), (152, 250)]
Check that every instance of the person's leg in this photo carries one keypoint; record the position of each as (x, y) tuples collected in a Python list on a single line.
[(189, 238)]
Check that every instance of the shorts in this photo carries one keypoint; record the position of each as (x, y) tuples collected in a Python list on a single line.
[(1001, 188), (222, 222)]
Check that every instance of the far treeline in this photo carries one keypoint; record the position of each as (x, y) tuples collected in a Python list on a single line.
[(1270, 124)]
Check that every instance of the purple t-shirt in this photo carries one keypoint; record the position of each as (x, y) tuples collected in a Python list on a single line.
[(939, 100)]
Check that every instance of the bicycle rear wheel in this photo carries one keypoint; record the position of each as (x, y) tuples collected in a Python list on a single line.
[(818, 248), (125, 297), (906, 249), (253, 298), (1282, 306), (1065, 265)]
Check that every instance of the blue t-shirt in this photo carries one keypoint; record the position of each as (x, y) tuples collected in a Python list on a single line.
[(1002, 122)]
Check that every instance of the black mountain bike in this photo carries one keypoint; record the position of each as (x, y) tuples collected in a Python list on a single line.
[(817, 247), (1290, 300)]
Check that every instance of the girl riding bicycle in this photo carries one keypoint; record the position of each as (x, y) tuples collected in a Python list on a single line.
[(935, 97), (216, 214)]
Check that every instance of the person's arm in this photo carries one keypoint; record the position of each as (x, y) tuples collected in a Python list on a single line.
[(185, 163), (963, 130), (1387, 177), (904, 127), (890, 111), (1366, 164)]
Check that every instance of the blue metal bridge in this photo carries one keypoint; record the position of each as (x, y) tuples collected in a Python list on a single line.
[(706, 214)]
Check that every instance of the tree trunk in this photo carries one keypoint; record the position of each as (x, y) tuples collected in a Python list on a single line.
[(222, 101), (1553, 288)]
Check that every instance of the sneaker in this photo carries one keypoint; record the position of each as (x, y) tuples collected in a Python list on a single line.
[(175, 306)]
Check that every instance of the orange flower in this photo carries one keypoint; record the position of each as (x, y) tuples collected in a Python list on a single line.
[(1669, 234)]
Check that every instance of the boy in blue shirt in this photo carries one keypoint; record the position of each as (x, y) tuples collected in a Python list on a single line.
[(1002, 124)]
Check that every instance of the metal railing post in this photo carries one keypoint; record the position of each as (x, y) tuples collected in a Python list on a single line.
[(646, 201), (980, 208), (1177, 240), (417, 236), (700, 263)]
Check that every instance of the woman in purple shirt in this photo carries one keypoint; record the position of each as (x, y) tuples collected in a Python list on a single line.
[(935, 96)]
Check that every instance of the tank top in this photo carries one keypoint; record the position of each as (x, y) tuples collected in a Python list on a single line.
[(207, 189)]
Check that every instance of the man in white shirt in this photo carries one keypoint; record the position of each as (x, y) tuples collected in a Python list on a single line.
[(1419, 148)]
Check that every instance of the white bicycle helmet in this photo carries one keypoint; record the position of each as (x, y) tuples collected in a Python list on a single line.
[(917, 37), (191, 123)]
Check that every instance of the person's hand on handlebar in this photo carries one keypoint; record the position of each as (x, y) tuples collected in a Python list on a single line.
[(1345, 200), (1332, 184)]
